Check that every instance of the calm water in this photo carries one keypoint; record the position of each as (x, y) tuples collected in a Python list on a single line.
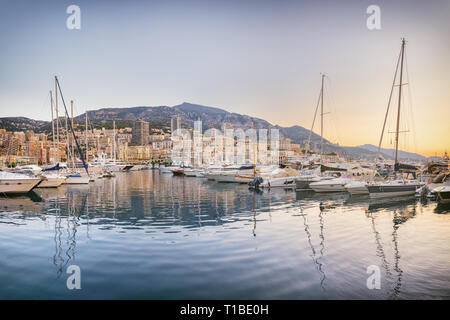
[(145, 235)]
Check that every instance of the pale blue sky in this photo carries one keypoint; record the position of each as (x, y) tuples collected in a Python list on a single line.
[(261, 58)]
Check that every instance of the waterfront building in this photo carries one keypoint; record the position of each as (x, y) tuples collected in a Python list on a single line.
[(140, 133)]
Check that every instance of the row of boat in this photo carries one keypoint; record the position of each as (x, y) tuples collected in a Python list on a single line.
[(25, 178), (319, 180)]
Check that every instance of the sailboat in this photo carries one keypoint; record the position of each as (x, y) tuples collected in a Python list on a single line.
[(73, 177), (313, 180), (52, 177), (395, 187)]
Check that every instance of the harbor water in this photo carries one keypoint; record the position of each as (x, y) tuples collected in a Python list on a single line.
[(147, 235)]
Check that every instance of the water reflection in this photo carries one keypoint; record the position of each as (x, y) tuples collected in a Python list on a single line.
[(149, 210), (316, 260)]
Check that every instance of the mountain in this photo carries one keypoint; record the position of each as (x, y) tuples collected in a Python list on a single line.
[(390, 153), (22, 124), (212, 117), (160, 116)]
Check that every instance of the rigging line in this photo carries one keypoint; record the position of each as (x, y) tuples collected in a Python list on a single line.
[(314, 120), (70, 126), (389, 103)]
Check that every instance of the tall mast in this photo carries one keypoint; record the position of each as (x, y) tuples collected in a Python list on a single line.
[(71, 128), (389, 103), (71, 122), (321, 120), (114, 141), (57, 123), (399, 102), (53, 128), (86, 142), (254, 150), (67, 138), (312, 126)]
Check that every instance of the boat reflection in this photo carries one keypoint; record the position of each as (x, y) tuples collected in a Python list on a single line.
[(30, 202), (402, 210)]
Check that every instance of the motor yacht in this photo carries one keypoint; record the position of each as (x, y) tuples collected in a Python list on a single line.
[(12, 183)]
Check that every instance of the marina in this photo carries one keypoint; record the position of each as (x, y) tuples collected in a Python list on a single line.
[(225, 155), (149, 235)]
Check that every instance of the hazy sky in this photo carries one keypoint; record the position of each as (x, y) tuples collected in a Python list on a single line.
[(261, 58)]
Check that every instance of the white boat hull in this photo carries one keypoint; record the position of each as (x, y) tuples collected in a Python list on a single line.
[(230, 178), (77, 180), (11, 186), (328, 188), (283, 182), (51, 183)]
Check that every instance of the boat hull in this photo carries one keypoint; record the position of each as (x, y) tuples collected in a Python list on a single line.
[(227, 178), (328, 187), (443, 194), (51, 183), (357, 190), (17, 186), (392, 191), (77, 180), (284, 182), (443, 197), (302, 184)]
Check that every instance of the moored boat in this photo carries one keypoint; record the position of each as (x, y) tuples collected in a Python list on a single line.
[(77, 178), (14, 183), (357, 188), (393, 188), (52, 180), (443, 194), (331, 185)]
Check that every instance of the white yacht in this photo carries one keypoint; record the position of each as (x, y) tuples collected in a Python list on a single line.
[(50, 180), (11, 183), (331, 185), (283, 182), (230, 174), (284, 178)]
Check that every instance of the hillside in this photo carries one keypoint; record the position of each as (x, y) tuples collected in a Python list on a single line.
[(212, 117), (22, 124)]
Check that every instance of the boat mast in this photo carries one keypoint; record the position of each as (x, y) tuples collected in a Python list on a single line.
[(389, 103), (321, 120), (114, 142), (308, 148), (53, 128), (399, 102), (86, 142), (254, 150), (71, 122), (57, 122), (71, 128), (69, 155)]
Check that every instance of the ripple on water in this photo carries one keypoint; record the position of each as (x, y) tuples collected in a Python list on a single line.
[(145, 235)]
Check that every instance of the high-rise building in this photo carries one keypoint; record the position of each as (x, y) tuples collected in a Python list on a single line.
[(178, 122), (140, 133), (172, 125)]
